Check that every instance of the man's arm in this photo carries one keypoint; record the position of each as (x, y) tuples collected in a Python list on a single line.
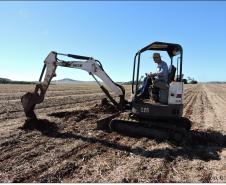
[(163, 69), (150, 74)]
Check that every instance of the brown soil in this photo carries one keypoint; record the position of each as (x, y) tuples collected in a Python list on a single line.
[(63, 145)]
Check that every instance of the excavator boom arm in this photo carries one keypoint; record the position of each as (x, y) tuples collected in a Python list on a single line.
[(92, 66)]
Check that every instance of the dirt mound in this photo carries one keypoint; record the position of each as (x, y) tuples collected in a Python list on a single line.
[(105, 107), (94, 112)]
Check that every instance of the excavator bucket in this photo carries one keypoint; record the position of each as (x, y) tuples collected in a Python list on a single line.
[(29, 100)]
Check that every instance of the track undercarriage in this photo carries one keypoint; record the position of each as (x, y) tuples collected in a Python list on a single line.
[(175, 129)]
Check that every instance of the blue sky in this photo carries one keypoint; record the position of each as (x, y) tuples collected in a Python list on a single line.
[(111, 32)]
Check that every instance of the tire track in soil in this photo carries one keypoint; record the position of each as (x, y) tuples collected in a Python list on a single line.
[(211, 120), (201, 111), (21, 159), (218, 107), (44, 165), (188, 107), (79, 158), (54, 170), (26, 147), (24, 150), (187, 99), (196, 108), (203, 114)]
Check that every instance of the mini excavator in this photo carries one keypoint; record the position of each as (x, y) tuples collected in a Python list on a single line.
[(139, 117)]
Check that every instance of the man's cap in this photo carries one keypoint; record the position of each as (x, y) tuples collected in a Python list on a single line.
[(156, 55)]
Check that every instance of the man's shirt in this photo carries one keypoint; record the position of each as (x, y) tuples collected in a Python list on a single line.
[(162, 71)]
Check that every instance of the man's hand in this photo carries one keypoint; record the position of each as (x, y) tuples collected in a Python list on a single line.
[(150, 74), (153, 74), (147, 74)]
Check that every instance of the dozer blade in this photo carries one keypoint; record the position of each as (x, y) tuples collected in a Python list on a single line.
[(104, 122), (29, 100)]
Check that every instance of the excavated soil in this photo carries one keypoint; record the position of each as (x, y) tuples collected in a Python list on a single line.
[(63, 145)]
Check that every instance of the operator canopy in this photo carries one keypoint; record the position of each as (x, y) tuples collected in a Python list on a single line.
[(172, 49)]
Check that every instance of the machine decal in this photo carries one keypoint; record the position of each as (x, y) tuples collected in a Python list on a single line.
[(144, 109)]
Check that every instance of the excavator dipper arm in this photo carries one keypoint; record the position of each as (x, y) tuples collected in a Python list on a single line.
[(92, 66)]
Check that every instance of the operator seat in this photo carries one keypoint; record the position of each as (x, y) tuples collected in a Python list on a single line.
[(172, 72), (161, 94)]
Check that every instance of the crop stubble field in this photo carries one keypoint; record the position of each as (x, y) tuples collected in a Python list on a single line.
[(68, 148)]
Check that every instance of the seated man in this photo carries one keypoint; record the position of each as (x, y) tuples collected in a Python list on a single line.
[(157, 80)]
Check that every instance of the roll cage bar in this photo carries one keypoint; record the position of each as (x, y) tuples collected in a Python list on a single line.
[(172, 50)]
